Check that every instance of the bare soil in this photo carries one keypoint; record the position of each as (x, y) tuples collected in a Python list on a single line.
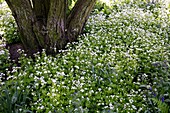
[(13, 50)]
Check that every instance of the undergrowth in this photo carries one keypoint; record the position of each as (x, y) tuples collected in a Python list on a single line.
[(121, 64)]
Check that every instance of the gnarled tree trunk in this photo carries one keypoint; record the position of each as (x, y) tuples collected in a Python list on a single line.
[(44, 24)]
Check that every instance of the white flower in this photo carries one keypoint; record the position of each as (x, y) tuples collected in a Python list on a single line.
[(53, 80), (53, 94), (76, 67), (111, 107), (110, 104), (73, 87), (82, 78), (134, 107), (70, 101), (82, 90), (91, 91), (99, 89), (62, 73), (106, 107), (45, 72), (53, 90), (42, 107), (131, 101)]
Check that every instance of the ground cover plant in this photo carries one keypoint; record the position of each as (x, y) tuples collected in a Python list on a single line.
[(8, 27), (120, 64)]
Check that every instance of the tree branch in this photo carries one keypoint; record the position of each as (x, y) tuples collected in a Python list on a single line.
[(78, 16)]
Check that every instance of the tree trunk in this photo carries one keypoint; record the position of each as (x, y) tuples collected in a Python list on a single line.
[(44, 24), (25, 19)]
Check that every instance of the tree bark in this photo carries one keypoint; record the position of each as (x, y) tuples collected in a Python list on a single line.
[(24, 17), (44, 24), (78, 17), (56, 25)]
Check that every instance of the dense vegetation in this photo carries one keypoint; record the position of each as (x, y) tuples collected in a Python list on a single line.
[(120, 64)]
